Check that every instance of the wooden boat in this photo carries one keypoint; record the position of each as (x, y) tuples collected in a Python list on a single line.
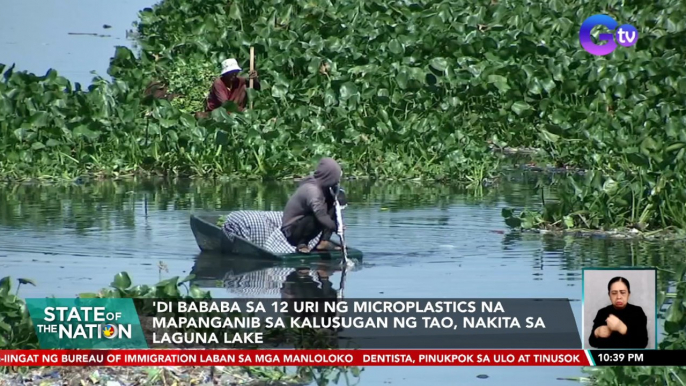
[(212, 238)]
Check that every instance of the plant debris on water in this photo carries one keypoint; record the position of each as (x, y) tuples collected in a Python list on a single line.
[(13, 312), (128, 376)]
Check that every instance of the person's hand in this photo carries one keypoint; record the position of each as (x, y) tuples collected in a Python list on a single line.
[(603, 332), (613, 323), (252, 75)]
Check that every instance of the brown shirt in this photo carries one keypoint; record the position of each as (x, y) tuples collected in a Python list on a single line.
[(237, 93)]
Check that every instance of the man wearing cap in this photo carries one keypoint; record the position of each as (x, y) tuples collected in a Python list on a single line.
[(230, 87)]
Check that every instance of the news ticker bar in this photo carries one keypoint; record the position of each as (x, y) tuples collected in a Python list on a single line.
[(200, 357)]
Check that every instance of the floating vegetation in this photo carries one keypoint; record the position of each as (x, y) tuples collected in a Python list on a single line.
[(393, 90)]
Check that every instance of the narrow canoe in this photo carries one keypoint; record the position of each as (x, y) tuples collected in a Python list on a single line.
[(210, 237)]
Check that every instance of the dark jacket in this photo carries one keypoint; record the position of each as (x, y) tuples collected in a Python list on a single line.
[(636, 328), (313, 196)]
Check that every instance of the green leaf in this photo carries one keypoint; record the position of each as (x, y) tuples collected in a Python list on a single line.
[(221, 138), (439, 64), (674, 317), (661, 296), (528, 223), (235, 11), (569, 222), (39, 119), (548, 85), (197, 293), (638, 159), (88, 295), (610, 186), (4, 326), (187, 120), (121, 281), (520, 107), (680, 271), (173, 281), (548, 136), (5, 285), (279, 91), (395, 47), (500, 82), (348, 89)]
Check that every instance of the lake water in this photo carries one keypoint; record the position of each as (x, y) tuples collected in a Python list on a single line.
[(35, 34), (419, 240)]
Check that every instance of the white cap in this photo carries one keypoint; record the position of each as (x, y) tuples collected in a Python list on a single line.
[(229, 65)]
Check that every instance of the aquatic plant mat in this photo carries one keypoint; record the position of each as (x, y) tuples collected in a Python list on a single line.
[(424, 90), (152, 376)]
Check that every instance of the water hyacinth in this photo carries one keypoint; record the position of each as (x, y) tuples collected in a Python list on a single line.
[(397, 90)]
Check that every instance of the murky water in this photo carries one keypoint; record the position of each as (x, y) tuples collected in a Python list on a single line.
[(418, 241)]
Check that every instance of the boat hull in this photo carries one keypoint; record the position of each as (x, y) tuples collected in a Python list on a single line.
[(210, 237)]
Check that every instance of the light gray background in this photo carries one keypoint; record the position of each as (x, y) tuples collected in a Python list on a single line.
[(596, 297)]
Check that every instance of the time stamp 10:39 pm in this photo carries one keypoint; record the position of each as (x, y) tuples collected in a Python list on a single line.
[(626, 35)]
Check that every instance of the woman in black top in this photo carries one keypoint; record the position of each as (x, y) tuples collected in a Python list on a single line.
[(619, 325)]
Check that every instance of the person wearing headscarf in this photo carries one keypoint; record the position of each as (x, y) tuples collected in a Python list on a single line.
[(311, 211)]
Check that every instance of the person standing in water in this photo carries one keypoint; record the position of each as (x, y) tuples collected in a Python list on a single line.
[(619, 325), (311, 211)]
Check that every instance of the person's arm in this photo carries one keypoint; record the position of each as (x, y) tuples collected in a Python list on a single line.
[(318, 205), (635, 330), (593, 340)]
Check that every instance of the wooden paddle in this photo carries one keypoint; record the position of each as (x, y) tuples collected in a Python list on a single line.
[(252, 68), (339, 221)]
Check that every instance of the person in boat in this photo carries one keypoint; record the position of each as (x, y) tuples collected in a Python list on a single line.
[(310, 211), (619, 325), (263, 228), (230, 87)]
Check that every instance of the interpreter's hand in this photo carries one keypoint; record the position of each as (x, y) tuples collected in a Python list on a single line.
[(253, 75), (603, 332), (613, 323)]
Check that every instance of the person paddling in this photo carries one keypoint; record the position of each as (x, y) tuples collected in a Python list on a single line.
[(311, 210), (230, 87)]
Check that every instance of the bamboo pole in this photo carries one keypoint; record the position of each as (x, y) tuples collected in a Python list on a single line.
[(252, 68)]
